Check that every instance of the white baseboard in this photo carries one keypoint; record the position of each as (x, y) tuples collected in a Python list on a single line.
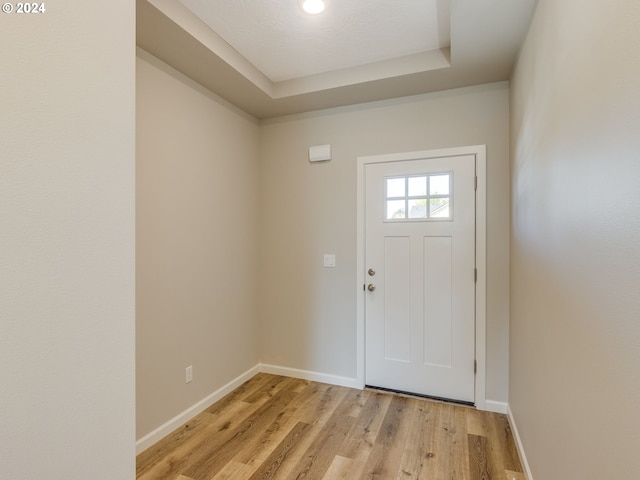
[(495, 407), (182, 418), (312, 376), (516, 436), (165, 429)]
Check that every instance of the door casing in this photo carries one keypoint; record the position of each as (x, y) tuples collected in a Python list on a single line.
[(479, 151)]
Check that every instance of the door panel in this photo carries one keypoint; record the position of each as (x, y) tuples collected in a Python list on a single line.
[(397, 326), (420, 239), (437, 301)]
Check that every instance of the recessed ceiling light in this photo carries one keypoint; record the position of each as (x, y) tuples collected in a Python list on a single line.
[(312, 7)]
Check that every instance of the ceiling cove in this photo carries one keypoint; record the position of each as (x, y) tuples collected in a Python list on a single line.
[(270, 58)]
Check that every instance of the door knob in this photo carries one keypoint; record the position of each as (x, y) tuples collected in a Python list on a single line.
[(371, 272), (371, 287)]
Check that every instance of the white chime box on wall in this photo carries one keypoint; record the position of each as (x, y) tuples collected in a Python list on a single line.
[(320, 153)]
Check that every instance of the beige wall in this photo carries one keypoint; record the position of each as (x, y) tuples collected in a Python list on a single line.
[(307, 312), (575, 303), (67, 242), (224, 204), (196, 249)]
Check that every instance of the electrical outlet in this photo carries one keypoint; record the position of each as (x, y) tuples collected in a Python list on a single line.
[(188, 374)]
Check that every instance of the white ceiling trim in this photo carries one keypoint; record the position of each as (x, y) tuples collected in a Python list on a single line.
[(284, 43), (485, 38), (419, 62), (394, 67), (199, 30)]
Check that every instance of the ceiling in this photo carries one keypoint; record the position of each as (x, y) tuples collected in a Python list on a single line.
[(283, 42), (269, 58)]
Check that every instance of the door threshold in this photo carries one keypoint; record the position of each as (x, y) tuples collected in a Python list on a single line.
[(420, 395)]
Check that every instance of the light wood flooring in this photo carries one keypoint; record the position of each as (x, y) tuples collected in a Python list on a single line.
[(283, 428)]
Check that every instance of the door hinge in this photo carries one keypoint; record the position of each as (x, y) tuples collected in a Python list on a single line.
[(475, 183), (475, 275), (475, 367), (364, 287)]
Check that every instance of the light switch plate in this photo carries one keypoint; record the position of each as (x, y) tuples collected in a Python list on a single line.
[(329, 261)]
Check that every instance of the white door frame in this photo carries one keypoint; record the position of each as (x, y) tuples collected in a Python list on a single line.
[(479, 151)]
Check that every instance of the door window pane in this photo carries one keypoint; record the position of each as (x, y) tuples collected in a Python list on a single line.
[(396, 210), (439, 207), (439, 185), (418, 197), (418, 208), (418, 186), (396, 187)]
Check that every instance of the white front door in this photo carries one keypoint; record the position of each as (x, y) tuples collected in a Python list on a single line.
[(420, 276)]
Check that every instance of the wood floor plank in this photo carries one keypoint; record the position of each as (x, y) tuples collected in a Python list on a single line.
[(495, 427), (505, 444), (221, 450), (478, 423), (315, 462), (460, 449), (280, 428), (418, 452), (233, 471), (245, 390), (309, 401), (180, 455), (451, 449), (385, 458), (366, 429), (511, 475), (479, 458), (271, 467), (300, 385), (358, 446), (227, 406), (316, 397), (301, 407), (339, 469), (150, 457), (271, 388), (358, 403), (317, 459), (319, 398), (258, 448), (322, 405)]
